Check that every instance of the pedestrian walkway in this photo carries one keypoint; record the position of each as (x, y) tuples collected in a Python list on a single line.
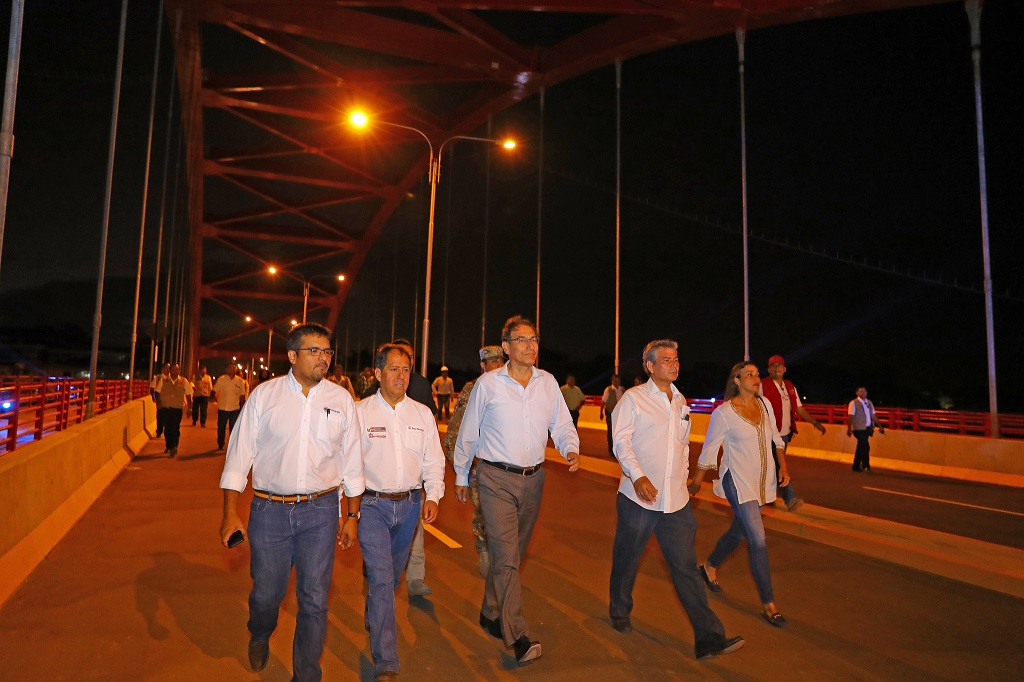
[(141, 589)]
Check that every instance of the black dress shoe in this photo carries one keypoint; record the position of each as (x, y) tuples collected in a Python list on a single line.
[(712, 584), (526, 651), (259, 652), (706, 650), (775, 619), (491, 627), (622, 624)]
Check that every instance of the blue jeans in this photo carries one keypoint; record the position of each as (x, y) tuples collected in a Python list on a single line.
[(786, 492), (285, 535), (746, 525), (386, 528), (675, 533)]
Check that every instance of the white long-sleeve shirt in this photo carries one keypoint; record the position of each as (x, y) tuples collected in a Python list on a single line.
[(651, 437), (401, 447), (295, 443), (505, 422), (746, 452)]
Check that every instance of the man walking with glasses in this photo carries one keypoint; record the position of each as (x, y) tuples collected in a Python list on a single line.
[(298, 434), (506, 425)]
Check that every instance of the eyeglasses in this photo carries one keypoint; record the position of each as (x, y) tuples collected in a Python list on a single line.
[(316, 351), (527, 339)]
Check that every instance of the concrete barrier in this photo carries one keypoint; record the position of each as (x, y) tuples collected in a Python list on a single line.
[(969, 458), (54, 481)]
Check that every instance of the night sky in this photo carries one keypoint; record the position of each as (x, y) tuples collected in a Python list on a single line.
[(861, 147)]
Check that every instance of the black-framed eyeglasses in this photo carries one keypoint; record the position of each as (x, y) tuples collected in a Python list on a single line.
[(526, 339), (316, 351)]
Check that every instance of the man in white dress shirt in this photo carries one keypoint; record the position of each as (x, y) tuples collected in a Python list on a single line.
[(651, 437), (299, 436), (402, 463), (506, 425), (230, 392)]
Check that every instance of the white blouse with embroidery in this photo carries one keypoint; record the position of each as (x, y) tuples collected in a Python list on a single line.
[(746, 452)]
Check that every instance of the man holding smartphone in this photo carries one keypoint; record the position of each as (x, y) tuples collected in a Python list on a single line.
[(297, 433)]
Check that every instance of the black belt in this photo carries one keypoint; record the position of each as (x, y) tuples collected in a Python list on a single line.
[(522, 471), (403, 495), (292, 499)]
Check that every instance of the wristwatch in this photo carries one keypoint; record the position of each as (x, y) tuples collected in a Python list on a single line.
[(354, 515)]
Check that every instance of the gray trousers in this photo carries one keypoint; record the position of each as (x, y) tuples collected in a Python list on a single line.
[(510, 504)]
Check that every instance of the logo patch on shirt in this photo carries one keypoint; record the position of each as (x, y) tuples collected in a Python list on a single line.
[(376, 432)]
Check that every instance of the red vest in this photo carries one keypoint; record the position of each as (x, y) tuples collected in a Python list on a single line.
[(771, 392)]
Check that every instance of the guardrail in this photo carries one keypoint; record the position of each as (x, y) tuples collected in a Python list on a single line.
[(902, 419), (33, 407)]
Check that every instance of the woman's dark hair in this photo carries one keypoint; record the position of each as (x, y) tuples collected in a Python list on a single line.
[(732, 389)]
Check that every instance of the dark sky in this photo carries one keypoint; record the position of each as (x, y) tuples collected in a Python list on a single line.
[(861, 146)]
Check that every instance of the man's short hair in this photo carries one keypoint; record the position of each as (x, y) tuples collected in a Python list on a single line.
[(512, 324), (299, 331), (381, 357), (650, 353), (402, 342)]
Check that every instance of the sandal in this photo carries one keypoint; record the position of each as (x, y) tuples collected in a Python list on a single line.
[(774, 619), (712, 584)]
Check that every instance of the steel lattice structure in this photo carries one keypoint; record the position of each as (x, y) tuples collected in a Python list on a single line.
[(265, 85)]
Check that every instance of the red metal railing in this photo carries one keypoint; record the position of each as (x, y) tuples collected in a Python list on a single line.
[(902, 419), (32, 407), (898, 418)]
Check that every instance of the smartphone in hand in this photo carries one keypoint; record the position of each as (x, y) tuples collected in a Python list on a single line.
[(236, 539)]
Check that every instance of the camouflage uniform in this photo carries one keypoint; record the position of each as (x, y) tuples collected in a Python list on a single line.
[(450, 437)]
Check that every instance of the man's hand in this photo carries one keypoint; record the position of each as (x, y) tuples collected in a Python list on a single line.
[(429, 511), (348, 532), (820, 427), (881, 430), (694, 487), (849, 432), (228, 526), (573, 458), (462, 493), (645, 490), (783, 476)]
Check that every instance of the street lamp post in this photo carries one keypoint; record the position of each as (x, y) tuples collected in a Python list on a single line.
[(359, 119), (273, 270)]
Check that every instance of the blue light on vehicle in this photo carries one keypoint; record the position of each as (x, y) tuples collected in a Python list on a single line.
[(6, 404)]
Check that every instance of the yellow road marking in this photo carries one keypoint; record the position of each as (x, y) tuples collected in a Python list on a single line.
[(441, 536), (938, 499)]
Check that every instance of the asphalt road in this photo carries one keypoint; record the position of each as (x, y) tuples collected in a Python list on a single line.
[(977, 510)]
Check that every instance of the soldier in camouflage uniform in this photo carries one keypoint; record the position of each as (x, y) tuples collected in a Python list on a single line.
[(491, 357)]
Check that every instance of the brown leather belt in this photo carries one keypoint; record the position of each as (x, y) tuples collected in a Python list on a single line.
[(522, 471), (405, 494), (292, 499)]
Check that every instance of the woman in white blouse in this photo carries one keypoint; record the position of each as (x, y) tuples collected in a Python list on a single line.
[(743, 428)]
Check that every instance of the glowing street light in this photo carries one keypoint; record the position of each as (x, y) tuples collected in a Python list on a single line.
[(359, 119), (273, 270)]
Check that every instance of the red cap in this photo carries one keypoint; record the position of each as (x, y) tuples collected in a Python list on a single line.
[(776, 360)]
